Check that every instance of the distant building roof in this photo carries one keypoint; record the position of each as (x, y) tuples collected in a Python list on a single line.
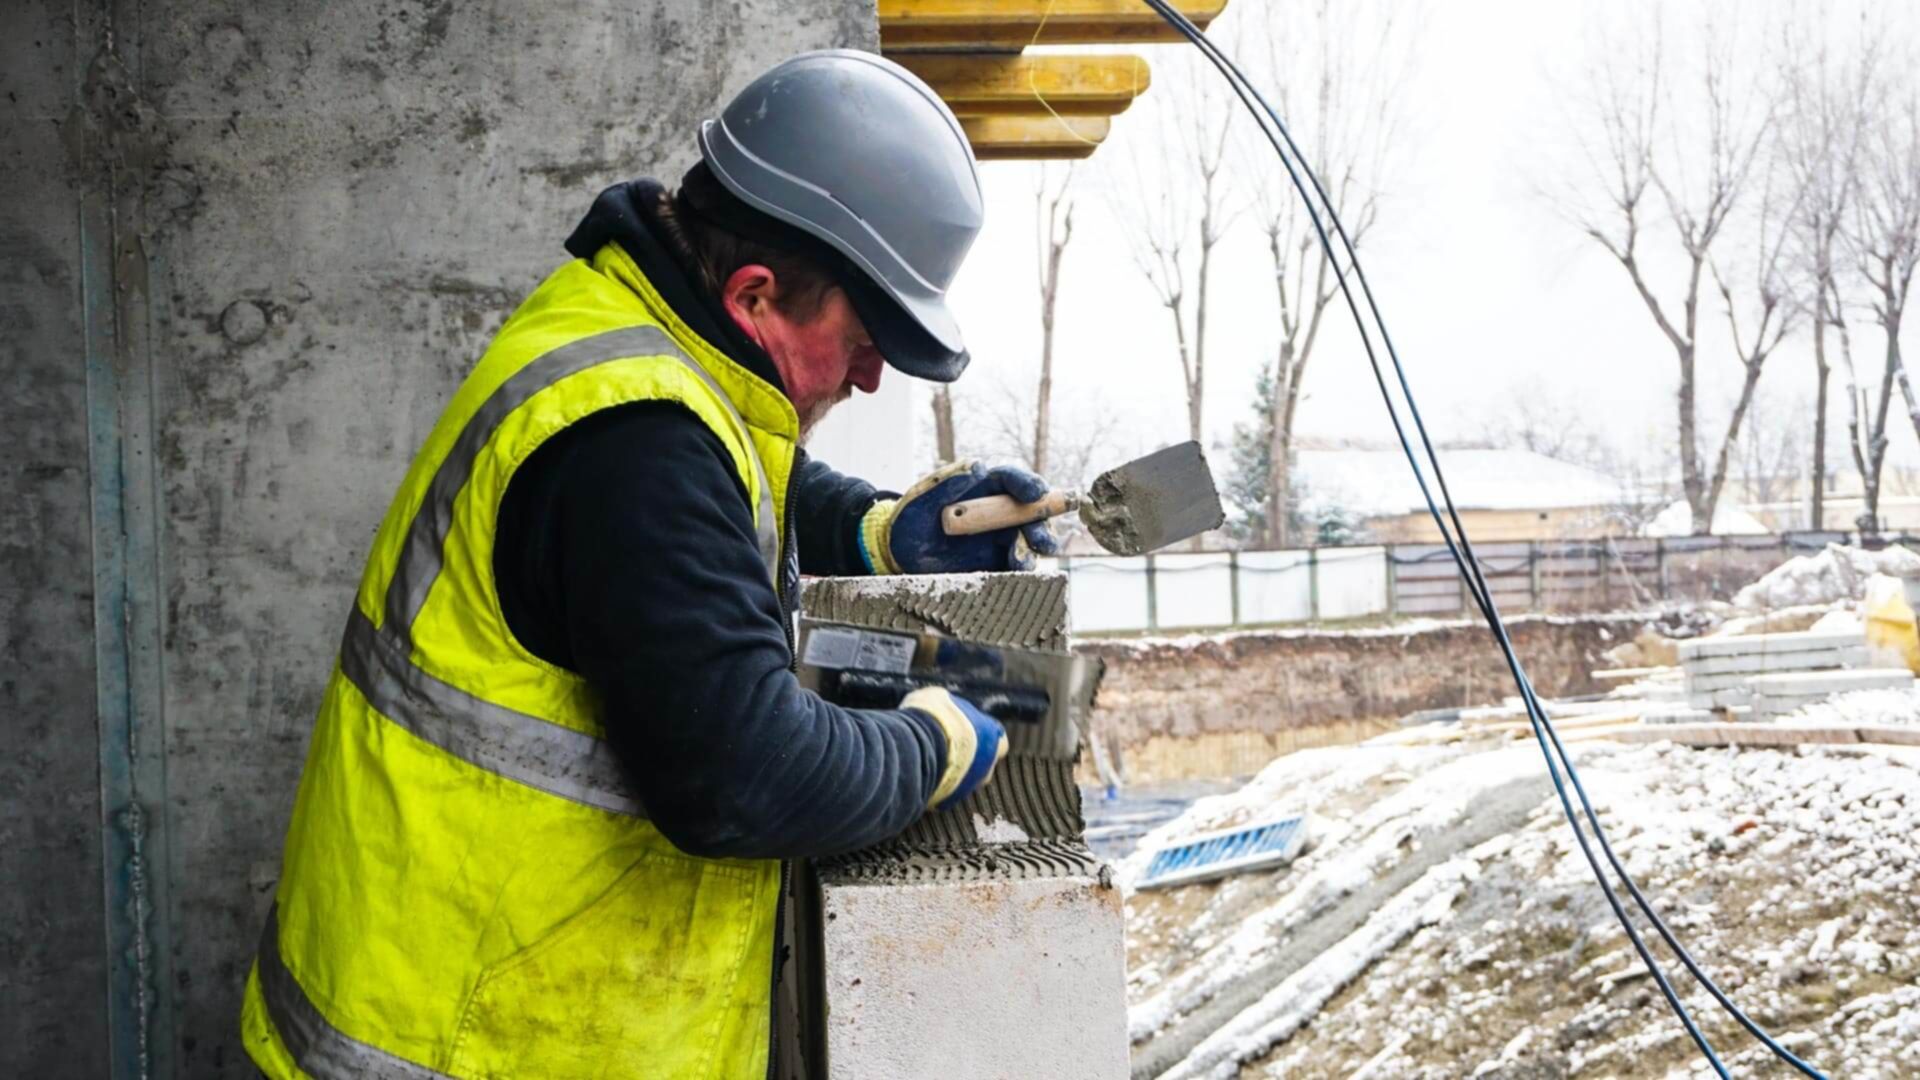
[(1378, 483)]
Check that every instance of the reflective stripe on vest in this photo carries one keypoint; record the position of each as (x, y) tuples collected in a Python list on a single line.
[(318, 1048), (378, 660)]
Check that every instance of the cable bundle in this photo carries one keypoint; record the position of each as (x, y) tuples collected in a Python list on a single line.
[(1461, 549)]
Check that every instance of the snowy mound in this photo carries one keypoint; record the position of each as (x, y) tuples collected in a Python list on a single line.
[(1837, 573), (1445, 925), (1863, 708)]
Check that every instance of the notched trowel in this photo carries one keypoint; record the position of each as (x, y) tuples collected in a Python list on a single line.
[(1041, 697), (1142, 506)]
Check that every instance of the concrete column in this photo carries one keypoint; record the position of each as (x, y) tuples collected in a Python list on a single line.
[(248, 248), (986, 941)]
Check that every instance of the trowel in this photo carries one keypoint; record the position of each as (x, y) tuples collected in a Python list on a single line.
[(1142, 506)]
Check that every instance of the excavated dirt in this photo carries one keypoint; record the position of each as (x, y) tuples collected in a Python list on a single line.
[(1177, 707)]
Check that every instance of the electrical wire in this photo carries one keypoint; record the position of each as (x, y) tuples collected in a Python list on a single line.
[(1468, 563)]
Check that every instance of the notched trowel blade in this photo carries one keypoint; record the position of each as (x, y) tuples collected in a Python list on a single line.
[(1160, 499)]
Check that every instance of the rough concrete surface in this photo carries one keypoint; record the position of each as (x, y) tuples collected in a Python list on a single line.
[(294, 227), (51, 934), (978, 979)]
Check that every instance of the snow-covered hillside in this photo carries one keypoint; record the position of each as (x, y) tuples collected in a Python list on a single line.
[(1444, 924)]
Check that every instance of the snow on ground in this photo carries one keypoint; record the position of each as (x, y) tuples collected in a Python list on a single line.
[(1790, 875), (1862, 708), (1835, 573)]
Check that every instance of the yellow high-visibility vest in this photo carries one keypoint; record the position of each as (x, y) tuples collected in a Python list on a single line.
[(470, 886)]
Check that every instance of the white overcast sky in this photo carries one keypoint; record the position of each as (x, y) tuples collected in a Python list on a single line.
[(1488, 293)]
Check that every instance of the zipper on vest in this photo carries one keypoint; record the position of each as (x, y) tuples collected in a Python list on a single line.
[(787, 590)]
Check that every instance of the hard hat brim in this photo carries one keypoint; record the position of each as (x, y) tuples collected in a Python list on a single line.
[(901, 336)]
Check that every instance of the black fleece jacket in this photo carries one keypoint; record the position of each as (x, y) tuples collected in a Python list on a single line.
[(625, 552)]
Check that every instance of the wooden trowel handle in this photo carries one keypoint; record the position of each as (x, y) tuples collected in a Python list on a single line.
[(1001, 511)]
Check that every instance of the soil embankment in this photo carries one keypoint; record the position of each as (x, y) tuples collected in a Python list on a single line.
[(1226, 704)]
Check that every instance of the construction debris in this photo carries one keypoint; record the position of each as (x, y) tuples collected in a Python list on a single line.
[(1445, 925), (1837, 573)]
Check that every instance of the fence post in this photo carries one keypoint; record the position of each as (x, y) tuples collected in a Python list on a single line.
[(1313, 584), (1393, 582), (1233, 584), (1533, 574), (1153, 598), (1600, 564), (1660, 565), (1461, 581)]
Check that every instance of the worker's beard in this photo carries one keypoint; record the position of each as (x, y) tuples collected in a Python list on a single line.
[(818, 411)]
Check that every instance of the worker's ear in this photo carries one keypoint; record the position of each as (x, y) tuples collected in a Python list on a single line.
[(749, 296)]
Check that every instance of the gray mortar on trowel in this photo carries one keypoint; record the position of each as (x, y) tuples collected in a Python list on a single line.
[(1145, 505)]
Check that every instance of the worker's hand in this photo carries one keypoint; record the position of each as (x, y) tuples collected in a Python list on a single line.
[(904, 535), (975, 743)]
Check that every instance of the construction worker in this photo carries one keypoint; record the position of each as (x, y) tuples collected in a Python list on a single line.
[(563, 761)]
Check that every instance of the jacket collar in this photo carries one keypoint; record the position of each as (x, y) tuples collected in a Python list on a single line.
[(762, 404), (629, 215)]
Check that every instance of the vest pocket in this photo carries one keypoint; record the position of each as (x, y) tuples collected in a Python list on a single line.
[(645, 981)]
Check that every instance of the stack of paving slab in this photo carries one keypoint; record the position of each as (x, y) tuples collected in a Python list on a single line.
[(1786, 693), (1733, 672)]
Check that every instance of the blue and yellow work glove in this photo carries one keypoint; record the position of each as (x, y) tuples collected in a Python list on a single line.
[(975, 743), (904, 535)]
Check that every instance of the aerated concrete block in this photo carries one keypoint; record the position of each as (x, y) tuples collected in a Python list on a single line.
[(992, 977), (1805, 641), (986, 940), (1721, 699), (1828, 683), (1762, 661)]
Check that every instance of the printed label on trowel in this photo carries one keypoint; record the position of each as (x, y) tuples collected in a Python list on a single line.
[(839, 648)]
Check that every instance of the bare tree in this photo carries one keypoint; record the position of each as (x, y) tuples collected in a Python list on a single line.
[(1053, 231), (1776, 311), (1086, 435), (1553, 423), (1769, 461), (1336, 72), (1681, 154), (943, 440), (1175, 198), (1819, 144), (1883, 236)]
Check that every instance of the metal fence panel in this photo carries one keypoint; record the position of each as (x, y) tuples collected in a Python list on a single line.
[(1193, 590), (1353, 582), (1108, 594), (1197, 591), (1275, 587)]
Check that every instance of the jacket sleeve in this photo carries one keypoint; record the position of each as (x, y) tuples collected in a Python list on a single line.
[(827, 507), (670, 616)]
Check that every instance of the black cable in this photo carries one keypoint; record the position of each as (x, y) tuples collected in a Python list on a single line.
[(1468, 563), (1475, 586), (1536, 713)]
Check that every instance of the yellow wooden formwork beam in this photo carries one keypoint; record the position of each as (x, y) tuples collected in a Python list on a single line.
[(1000, 84), (1015, 24), (1034, 138)]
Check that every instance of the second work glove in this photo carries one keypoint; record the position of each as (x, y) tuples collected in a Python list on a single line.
[(975, 743), (905, 536)]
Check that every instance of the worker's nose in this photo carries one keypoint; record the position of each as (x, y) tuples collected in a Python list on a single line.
[(864, 371)]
